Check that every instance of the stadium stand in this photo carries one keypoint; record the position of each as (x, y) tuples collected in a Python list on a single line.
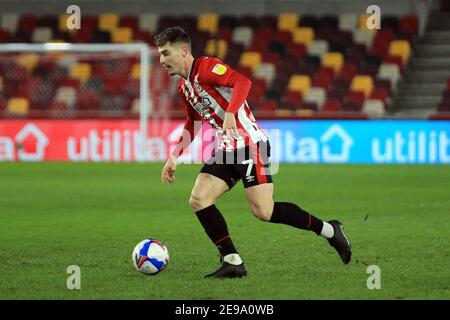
[(329, 65)]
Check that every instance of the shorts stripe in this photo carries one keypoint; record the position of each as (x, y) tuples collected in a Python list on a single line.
[(262, 178)]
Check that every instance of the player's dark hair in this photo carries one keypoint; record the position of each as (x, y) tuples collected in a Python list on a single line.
[(172, 35)]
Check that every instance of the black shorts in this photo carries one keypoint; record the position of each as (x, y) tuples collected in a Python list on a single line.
[(251, 164)]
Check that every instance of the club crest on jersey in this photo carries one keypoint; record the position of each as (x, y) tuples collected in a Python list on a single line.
[(219, 69)]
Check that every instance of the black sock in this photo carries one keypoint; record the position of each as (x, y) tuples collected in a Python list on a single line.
[(291, 214), (216, 228)]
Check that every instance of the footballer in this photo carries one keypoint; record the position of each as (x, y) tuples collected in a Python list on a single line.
[(215, 93)]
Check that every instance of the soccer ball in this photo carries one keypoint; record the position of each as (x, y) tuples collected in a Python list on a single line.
[(150, 256)]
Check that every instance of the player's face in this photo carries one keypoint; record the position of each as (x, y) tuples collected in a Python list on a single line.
[(171, 57)]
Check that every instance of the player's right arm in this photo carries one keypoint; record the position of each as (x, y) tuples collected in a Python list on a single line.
[(188, 134)]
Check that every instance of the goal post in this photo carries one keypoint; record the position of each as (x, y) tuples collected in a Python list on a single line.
[(145, 57)]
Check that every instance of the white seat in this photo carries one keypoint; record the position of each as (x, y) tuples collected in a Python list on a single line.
[(373, 108), (363, 37), (148, 22), (391, 72), (243, 35), (67, 95), (348, 21), (67, 61), (41, 34), (318, 47), (265, 71), (9, 21), (317, 96)]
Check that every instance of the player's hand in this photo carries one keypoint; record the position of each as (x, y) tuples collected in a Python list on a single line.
[(168, 172), (229, 126)]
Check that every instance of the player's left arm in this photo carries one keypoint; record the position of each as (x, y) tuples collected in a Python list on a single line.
[(219, 74)]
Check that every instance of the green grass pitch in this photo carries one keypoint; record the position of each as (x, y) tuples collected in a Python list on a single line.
[(53, 215)]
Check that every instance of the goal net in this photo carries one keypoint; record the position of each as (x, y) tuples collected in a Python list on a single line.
[(86, 81)]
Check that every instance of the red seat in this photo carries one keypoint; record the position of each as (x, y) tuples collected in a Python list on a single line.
[(321, 81), (282, 36), (273, 58), (297, 50), (380, 94), (381, 42), (114, 86), (395, 59), (268, 105), (144, 36), (327, 72), (293, 97), (355, 96), (410, 23), (4, 36), (87, 99), (348, 71), (28, 23), (129, 21), (448, 84), (332, 105)]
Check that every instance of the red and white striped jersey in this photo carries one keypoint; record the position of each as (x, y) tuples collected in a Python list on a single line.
[(212, 89)]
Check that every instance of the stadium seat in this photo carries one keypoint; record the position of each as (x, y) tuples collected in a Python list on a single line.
[(318, 47), (292, 97), (10, 22), (373, 108), (148, 22), (300, 83), (348, 71), (122, 35), (409, 23), (398, 60), (380, 94), (87, 99), (27, 23), (332, 105), (81, 71), (250, 59), (400, 48), (41, 34), (108, 21), (67, 95), (355, 96), (303, 35), (321, 81), (265, 71), (4, 36), (334, 60), (129, 21), (317, 96), (18, 106), (243, 35), (208, 22), (216, 48), (28, 61), (389, 71), (281, 36), (348, 21), (363, 37), (296, 50), (287, 21), (362, 83)]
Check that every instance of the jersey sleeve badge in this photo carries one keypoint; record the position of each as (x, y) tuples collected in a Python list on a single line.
[(219, 69)]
